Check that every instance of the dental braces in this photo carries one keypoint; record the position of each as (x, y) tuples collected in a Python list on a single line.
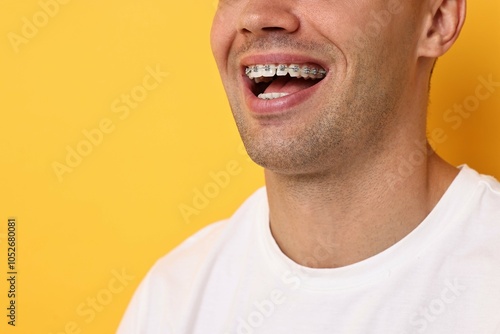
[(268, 71)]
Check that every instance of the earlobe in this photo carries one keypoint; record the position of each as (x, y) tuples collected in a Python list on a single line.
[(443, 22)]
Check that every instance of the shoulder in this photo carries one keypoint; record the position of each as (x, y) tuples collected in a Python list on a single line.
[(176, 281), (190, 254), (485, 192), (214, 239), (477, 218)]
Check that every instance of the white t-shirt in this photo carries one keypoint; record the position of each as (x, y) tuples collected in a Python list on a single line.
[(232, 278)]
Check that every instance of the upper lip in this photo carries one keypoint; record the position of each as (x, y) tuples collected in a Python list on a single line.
[(280, 58)]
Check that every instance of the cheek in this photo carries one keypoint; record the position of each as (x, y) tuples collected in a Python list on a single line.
[(221, 38), (215, 40)]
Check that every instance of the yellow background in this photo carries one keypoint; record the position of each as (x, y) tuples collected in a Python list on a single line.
[(119, 209)]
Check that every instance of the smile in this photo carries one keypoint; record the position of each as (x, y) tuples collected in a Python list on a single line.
[(274, 81)]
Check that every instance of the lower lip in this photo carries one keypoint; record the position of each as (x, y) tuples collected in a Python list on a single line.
[(279, 105)]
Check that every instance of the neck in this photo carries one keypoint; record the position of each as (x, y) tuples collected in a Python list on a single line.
[(333, 219)]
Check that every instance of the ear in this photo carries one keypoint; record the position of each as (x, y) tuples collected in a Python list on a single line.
[(443, 22)]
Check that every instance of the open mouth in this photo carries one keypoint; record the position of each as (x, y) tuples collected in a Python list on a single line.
[(271, 81)]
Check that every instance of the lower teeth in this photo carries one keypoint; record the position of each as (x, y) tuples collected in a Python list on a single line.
[(271, 96)]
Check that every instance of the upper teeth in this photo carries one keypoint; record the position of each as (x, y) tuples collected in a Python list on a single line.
[(265, 73)]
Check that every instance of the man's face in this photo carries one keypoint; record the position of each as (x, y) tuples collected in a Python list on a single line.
[(359, 56)]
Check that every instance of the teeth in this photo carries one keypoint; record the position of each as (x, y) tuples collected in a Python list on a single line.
[(269, 71), (294, 71), (282, 70), (265, 73), (271, 96), (253, 72), (305, 72)]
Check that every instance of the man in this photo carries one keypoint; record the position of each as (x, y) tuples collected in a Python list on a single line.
[(332, 245)]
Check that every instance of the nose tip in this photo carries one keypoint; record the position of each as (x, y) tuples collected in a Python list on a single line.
[(260, 17)]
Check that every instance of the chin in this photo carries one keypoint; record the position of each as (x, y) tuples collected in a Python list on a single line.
[(286, 158)]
